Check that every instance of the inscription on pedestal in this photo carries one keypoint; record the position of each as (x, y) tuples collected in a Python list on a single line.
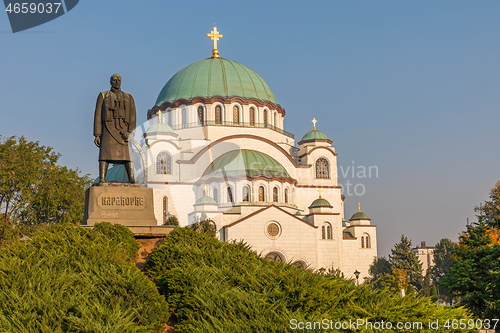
[(127, 205), (107, 202)]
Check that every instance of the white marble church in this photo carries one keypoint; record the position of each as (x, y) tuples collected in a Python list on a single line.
[(215, 146)]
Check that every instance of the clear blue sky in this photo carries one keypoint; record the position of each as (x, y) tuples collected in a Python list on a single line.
[(411, 87)]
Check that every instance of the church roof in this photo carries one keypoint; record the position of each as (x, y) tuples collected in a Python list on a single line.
[(159, 128), (215, 77), (315, 135), (205, 200), (320, 202), (116, 174), (245, 163), (359, 216)]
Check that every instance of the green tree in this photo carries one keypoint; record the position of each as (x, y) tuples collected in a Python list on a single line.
[(442, 262), (205, 225), (34, 189), (490, 209), (402, 257), (172, 220), (474, 273), (378, 268)]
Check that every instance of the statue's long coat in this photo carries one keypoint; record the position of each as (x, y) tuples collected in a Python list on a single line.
[(114, 118)]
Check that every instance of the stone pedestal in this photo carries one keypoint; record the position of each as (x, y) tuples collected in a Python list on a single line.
[(124, 204)]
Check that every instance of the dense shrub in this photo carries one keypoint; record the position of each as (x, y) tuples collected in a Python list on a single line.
[(71, 279), (220, 287)]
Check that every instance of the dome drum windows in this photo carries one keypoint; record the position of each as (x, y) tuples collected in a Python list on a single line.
[(201, 115), (275, 194), (236, 115), (322, 168), (245, 193), (252, 116), (164, 163), (184, 118), (262, 194), (230, 194), (218, 114)]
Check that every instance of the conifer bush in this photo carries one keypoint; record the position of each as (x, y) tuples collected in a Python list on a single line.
[(222, 287), (71, 279)]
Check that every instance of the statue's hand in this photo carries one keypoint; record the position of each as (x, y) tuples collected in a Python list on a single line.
[(125, 136), (97, 141)]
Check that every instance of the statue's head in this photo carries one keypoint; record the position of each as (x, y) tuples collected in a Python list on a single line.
[(116, 81)]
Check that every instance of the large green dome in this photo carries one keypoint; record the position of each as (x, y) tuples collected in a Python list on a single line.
[(245, 163), (215, 77)]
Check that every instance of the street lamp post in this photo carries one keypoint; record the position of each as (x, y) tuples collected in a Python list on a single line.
[(357, 277), (401, 290)]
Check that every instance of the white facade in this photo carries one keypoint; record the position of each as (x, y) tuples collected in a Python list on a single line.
[(269, 210)]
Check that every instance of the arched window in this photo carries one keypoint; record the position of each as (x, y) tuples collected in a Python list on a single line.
[(275, 194), (184, 118), (215, 194), (218, 114), (163, 163), (275, 119), (300, 264), (365, 241), (265, 118), (275, 256), (236, 115), (252, 116), (230, 196), (326, 231), (286, 195), (201, 117), (165, 209), (262, 195), (169, 118), (245, 193), (322, 168)]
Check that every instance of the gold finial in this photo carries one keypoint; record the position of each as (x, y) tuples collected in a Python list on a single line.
[(314, 121), (215, 36), (205, 188), (359, 207), (159, 113), (319, 191)]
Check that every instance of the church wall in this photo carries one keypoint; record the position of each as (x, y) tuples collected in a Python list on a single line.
[(329, 250), (297, 239), (357, 258)]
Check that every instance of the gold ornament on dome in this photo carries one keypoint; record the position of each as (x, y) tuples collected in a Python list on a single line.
[(215, 36)]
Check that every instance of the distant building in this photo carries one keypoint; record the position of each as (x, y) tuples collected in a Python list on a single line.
[(426, 256)]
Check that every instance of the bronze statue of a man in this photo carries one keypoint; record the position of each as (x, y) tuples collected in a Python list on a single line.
[(114, 120)]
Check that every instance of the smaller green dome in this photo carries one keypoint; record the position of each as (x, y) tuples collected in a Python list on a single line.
[(320, 202), (205, 200), (359, 216), (315, 135), (116, 174), (160, 128)]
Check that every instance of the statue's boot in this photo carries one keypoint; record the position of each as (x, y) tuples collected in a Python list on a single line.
[(130, 172), (103, 170)]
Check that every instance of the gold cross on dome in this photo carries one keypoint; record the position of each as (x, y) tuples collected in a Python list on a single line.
[(205, 188), (319, 191), (159, 113), (314, 121), (215, 36), (359, 207)]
